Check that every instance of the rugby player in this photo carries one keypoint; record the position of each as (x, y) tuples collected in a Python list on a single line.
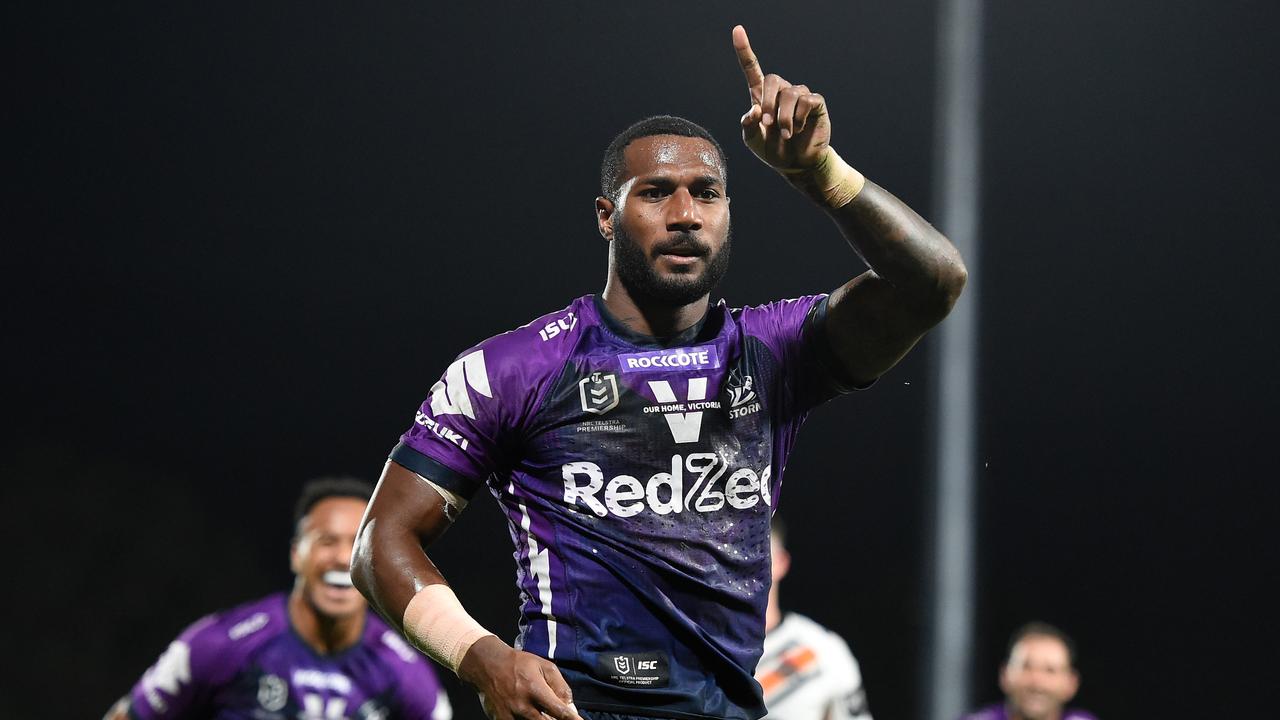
[(807, 672), (1038, 678), (316, 652), (636, 439)]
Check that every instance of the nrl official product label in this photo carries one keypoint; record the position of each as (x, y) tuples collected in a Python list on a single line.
[(703, 357), (646, 670)]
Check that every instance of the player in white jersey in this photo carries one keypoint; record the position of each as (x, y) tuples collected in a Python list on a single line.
[(807, 672)]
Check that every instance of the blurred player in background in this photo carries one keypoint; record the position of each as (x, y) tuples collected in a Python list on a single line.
[(807, 672), (316, 652), (1038, 678)]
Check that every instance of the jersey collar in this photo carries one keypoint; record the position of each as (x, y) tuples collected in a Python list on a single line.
[(690, 335)]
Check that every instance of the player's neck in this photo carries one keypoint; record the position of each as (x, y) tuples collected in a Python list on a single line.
[(655, 321), (325, 635), (1011, 713)]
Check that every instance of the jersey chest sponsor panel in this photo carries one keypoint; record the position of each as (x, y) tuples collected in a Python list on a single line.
[(248, 663), (638, 481)]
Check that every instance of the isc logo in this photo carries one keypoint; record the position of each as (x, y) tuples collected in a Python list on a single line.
[(623, 665), (634, 669), (556, 327)]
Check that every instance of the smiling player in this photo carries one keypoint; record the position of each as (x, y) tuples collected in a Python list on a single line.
[(1038, 678), (315, 653)]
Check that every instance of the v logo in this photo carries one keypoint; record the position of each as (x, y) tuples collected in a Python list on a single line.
[(685, 427)]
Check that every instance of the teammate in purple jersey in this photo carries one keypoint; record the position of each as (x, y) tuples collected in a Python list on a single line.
[(316, 652), (1038, 678), (636, 440)]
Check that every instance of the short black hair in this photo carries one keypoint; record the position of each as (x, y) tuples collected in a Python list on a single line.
[(1038, 628), (323, 488), (612, 166)]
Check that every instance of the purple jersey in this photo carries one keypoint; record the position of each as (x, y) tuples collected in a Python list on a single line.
[(638, 478), (1000, 712), (249, 663)]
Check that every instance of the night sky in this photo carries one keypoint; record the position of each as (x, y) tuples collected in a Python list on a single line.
[(244, 242)]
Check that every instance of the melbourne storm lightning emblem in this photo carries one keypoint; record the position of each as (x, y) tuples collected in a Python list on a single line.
[(743, 400), (740, 390), (599, 393)]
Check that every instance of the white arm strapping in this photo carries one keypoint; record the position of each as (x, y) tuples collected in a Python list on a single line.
[(436, 623), (454, 503)]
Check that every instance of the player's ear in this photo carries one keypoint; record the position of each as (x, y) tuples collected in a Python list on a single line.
[(294, 563), (1004, 681), (604, 217)]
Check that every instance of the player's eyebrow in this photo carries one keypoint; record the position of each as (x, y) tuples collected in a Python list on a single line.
[(667, 181), (659, 180)]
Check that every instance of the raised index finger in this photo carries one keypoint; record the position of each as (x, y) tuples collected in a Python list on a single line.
[(750, 65)]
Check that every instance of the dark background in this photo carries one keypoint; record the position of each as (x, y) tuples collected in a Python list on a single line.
[(242, 243)]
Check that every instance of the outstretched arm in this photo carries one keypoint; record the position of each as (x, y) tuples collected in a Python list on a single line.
[(916, 274), (391, 569)]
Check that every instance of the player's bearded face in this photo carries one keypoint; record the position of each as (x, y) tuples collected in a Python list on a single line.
[(639, 272)]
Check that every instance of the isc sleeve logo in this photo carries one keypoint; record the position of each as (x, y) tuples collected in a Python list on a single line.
[(450, 396)]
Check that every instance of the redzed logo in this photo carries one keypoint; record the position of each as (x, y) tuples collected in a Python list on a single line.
[(700, 482)]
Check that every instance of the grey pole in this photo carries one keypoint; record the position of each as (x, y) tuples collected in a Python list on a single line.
[(957, 188)]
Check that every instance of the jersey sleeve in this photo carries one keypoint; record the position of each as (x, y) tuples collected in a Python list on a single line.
[(474, 416), (418, 694), (795, 332), (182, 680), (849, 697)]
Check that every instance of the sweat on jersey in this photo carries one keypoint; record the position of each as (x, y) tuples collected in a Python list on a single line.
[(638, 477), (808, 673), (248, 663)]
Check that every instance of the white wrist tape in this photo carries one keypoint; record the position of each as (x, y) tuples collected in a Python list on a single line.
[(436, 624), (832, 181)]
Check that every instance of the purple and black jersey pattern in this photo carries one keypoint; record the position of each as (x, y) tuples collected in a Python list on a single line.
[(1000, 712), (248, 663), (638, 477)]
